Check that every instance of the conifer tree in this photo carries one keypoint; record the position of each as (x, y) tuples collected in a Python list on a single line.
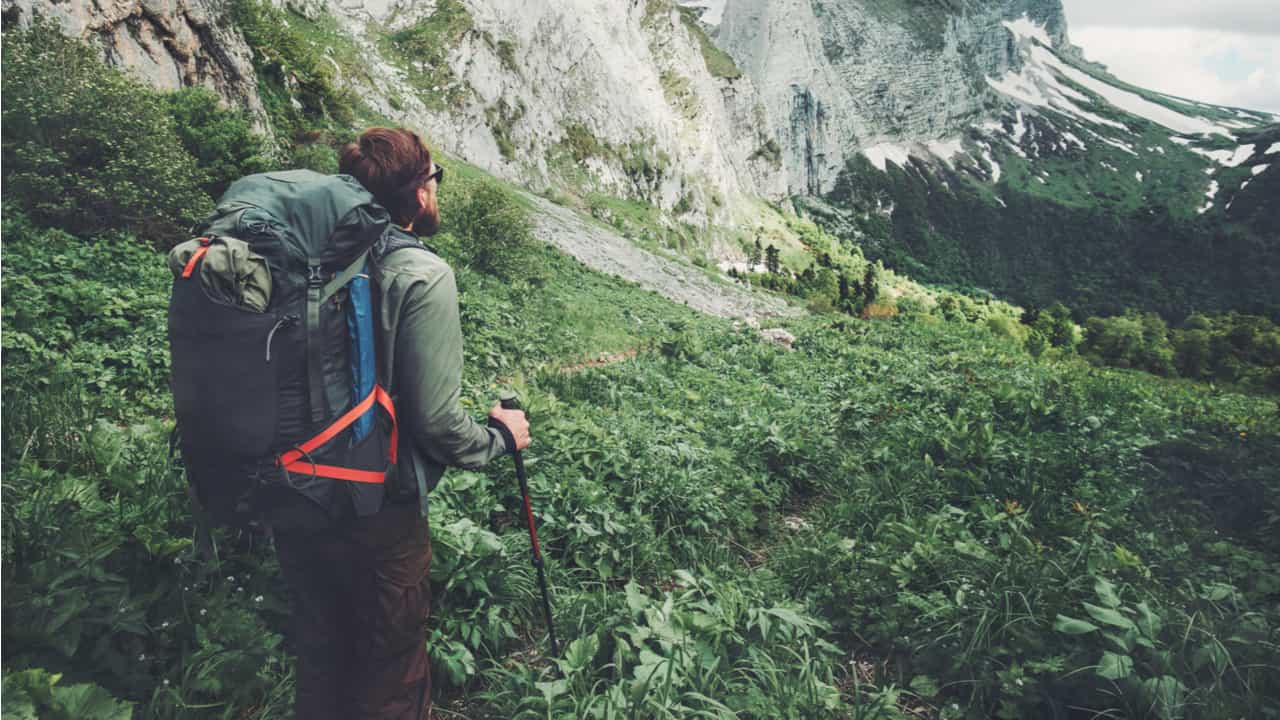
[(771, 260)]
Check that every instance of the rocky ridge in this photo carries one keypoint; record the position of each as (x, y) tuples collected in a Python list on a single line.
[(169, 44)]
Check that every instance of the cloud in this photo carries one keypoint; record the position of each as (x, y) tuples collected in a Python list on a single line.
[(1253, 17), (1225, 67)]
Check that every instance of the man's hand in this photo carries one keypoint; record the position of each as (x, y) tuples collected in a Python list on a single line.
[(515, 422)]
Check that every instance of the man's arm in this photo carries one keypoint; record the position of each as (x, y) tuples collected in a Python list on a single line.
[(428, 371)]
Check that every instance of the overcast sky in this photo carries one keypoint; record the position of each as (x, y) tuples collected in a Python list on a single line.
[(1218, 51)]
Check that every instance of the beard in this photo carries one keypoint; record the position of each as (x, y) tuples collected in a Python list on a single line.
[(427, 223)]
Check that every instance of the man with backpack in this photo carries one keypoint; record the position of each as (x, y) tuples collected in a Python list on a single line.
[(325, 404)]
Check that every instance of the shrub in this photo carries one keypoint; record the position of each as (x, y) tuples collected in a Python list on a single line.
[(316, 156), (1131, 341), (491, 228), (38, 693), (221, 140), (88, 149), (291, 68), (1006, 327)]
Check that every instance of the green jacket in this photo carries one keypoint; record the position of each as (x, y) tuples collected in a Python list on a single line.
[(421, 360)]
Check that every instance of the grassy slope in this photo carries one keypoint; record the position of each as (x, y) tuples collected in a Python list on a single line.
[(663, 484), (730, 526)]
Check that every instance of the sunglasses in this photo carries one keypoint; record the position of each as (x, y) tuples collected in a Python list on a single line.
[(437, 174)]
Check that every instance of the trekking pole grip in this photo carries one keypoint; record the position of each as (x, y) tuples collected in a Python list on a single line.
[(509, 401)]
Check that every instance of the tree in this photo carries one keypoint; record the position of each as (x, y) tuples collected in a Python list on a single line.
[(771, 260), (755, 258), (870, 285)]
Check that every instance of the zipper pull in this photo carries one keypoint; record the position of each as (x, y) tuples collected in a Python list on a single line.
[(286, 321)]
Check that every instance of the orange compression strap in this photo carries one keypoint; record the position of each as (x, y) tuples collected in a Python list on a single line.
[(296, 460), (372, 477), (195, 257)]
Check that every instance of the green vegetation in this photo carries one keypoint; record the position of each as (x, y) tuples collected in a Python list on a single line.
[(679, 93), (719, 63), (502, 117), (947, 228), (38, 694), (88, 149), (423, 52), (493, 233), (296, 80), (1233, 349), (770, 152), (897, 519)]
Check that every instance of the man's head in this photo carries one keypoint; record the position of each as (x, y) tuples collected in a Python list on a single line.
[(395, 165)]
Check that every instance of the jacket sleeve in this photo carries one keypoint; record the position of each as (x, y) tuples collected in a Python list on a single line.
[(429, 379)]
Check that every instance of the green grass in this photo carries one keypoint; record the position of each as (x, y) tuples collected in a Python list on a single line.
[(955, 499), (896, 519), (719, 63), (422, 51)]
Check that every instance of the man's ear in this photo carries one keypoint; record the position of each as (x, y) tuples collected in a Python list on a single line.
[(423, 197)]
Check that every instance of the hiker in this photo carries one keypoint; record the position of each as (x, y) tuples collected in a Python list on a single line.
[(316, 366), (361, 591)]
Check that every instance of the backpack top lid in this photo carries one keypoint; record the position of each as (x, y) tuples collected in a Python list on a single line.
[(327, 218)]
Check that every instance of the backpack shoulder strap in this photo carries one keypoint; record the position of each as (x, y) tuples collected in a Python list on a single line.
[(340, 280), (394, 240)]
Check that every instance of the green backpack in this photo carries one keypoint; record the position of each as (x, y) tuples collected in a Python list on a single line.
[(281, 417)]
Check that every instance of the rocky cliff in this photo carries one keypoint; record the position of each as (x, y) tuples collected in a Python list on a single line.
[(698, 106), (167, 43), (839, 77), (626, 97)]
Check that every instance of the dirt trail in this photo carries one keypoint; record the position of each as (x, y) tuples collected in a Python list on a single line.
[(604, 250)]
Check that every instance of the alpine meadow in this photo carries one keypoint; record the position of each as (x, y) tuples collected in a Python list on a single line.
[(884, 359)]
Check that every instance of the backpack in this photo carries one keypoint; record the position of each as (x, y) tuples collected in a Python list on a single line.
[(281, 418)]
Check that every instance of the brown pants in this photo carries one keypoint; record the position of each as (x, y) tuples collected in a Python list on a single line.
[(361, 600)]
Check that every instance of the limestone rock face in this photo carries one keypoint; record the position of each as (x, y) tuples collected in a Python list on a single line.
[(629, 74), (169, 44), (839, 76)]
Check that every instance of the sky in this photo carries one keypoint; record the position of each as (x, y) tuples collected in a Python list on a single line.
[(1225, 52)]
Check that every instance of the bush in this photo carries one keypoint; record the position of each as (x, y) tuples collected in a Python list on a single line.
[(1006, 327), (291, 68), (38, 693), (88, 149), (91, 308), (220, 139), (491, 228), (1130, 341), (316, 156)]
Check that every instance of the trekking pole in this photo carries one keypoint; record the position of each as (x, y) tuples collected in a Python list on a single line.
[(511, 402)]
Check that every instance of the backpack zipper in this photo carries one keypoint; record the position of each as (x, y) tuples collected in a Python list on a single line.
[(285, 321)]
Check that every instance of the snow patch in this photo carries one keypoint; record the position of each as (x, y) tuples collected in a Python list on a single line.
[(1037, 85), (1211, 194), (880, 155), (1275, 148), (945, 149), (1024, 28), (1138, 174), (1181, 141), (1071, 137), (1117, 144), (1259, 169), (1227, 158), (995, 166), (1130, 102), (1019, 129)]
